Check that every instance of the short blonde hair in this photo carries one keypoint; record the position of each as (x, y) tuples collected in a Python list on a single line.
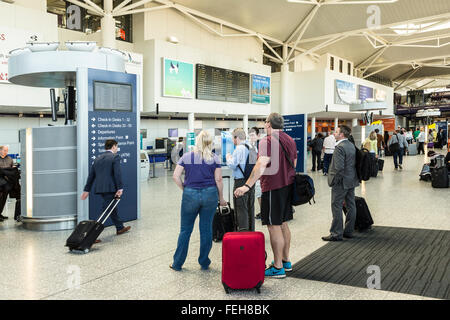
[(203, 145), (373, 135)]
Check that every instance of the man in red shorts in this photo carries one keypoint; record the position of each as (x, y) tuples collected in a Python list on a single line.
[(277, 177)]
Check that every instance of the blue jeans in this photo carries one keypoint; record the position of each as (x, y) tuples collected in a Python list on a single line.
[(398, 154), (202, 202), (326, 161)]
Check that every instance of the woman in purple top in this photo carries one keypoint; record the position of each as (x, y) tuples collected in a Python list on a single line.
[(202, 189)]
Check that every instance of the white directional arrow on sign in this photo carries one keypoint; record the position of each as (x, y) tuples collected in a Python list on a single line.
[(93, 157), (93, 150), (93, 125), (93, 131), (93, 144), (93, 119), (93, 138)]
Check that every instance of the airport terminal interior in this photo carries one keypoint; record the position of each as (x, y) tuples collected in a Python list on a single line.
[(155, 75)]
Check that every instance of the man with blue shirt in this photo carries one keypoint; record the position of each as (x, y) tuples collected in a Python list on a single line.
[(244, 207)]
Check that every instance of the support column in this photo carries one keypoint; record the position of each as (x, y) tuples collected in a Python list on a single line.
[(108, 25), (354, 123), (313, 127), (191, 119), (246, 125), (284, 83), (336, 123)]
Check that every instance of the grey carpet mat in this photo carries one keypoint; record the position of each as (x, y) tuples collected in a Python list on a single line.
[(411, 261)]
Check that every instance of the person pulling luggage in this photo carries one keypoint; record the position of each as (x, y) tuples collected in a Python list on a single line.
[(105, 171)]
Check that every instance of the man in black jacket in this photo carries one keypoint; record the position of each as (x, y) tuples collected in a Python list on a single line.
[(105, 171), (316, 149), (5, 162)]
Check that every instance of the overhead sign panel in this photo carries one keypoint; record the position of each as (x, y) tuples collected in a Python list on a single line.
[(365, 93), (222, 84)]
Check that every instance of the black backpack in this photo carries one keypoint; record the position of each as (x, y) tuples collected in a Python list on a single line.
[(250, 162), (304, 190), (395, 147), (363, 164)]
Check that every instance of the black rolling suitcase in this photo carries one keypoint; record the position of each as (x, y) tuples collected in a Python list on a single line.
[(380, 164), (363, 217), (374, 168), (86, 232), (223, 220), (439, 178)]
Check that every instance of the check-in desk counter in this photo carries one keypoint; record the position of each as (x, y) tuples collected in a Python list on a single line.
[(153, 156)]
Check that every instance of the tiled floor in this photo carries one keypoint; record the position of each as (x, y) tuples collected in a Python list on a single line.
[(36, 265)]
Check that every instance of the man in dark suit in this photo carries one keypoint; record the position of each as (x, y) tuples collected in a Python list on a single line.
[(105, 171), (343, 180)]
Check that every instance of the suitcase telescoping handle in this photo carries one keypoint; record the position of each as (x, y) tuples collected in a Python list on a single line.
[(113, 203), (229, 187)]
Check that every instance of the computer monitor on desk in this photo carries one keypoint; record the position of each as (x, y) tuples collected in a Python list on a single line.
[(160, 143)]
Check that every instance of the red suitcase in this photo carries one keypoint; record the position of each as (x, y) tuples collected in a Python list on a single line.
[(243, 260)]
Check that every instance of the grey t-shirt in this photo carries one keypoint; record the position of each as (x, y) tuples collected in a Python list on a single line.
[(6, 162)]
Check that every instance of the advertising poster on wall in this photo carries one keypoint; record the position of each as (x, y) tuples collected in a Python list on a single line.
[(11, 39), (296, 127), (365, 93), (345, 92), (260, 89), (178, 79)]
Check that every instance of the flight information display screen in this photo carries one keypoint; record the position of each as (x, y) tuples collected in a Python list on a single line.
[(222, 84), (111, 96)]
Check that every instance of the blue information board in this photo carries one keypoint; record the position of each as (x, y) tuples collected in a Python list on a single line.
[(295, 127), (113, 115)]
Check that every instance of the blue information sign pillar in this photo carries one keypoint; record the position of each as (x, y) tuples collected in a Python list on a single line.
[(107, 109), (296, 127)]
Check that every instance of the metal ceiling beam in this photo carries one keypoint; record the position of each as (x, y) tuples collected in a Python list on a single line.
[(300, 25), (368, 58), (378, 71), (270, 47), (140, 10), (121, 5), (87, 7), (302, 28), (428, 83), (361, 31), (93, 5), (375, 58), (272, 58), (132, 6), (410, 61), (215, 20), (318, 47), (409, 77)]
